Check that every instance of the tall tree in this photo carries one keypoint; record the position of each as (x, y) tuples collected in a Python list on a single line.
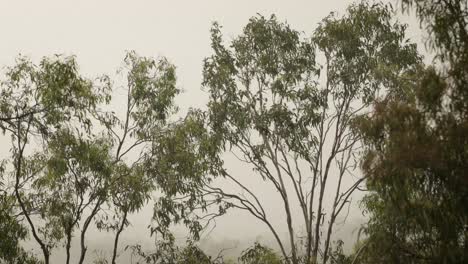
[(417, 152), (280, 111)]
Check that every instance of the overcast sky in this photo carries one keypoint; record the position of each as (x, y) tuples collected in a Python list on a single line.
[(99, 32)]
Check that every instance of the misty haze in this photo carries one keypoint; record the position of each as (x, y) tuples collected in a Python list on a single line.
[(222, 132)]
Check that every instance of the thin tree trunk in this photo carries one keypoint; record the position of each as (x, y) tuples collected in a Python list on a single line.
[(284, 195), (283, 251), (116, 240), (68, 246), (19, 159), (85, 228), (44, 249), (319, 212)]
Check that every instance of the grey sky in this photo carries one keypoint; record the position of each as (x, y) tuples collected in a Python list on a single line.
[(99, 32)]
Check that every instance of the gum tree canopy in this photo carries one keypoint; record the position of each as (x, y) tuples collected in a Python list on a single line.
[(75, 162), (275, 107)]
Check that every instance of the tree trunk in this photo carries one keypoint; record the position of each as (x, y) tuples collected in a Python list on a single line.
[(116, 240)]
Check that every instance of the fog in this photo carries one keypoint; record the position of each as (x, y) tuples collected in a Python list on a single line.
[(99, 33)]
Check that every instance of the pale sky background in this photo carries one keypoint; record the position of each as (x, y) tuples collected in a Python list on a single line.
[(99, 32)]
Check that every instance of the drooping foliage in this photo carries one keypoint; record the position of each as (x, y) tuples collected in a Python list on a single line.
[(276, 108), (258, 254), (77, 163), (36, 102), (416, 152)]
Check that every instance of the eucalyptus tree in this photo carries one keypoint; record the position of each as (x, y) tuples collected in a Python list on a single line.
[(36, 101), (416, 152), (151, 89), (74, 181), (259, 254), (278, 110), (78, 163)]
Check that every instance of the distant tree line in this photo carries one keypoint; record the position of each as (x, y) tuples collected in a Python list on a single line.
[(351, 107)]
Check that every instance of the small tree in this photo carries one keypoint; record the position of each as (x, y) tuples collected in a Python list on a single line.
[(258, 254), (172, 254), (36, 102), (76, 173)]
